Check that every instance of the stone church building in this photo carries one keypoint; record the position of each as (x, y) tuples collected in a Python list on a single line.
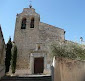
[(33, 39)]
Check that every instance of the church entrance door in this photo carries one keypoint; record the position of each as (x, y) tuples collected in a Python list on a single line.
[(38, 65)]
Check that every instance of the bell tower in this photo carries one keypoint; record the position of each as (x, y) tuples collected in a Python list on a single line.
[(27, 19), (26, 34)]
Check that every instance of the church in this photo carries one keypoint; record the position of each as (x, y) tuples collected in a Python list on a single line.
[(33, 39)]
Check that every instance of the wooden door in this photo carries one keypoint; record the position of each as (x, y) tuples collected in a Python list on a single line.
[(38, 65)]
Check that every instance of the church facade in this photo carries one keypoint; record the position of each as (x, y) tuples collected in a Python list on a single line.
[(33, 39)]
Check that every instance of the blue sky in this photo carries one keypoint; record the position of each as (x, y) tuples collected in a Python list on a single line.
[(66, 14)]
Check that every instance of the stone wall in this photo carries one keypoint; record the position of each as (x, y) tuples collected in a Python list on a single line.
[(69, 70), (2, 55), (28, 40)]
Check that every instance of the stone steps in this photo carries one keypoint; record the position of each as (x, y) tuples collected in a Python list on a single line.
[(14, 78)]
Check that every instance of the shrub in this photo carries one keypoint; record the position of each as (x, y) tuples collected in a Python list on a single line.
[(68, 50)]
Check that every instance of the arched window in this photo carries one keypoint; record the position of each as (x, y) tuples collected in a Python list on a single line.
[(32, 23), (23, 24)]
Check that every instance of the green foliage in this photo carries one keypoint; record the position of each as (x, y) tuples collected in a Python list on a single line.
[(68, 50), (8, 55), (14, 58)]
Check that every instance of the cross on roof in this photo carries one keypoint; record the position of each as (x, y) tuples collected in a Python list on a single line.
[(30, 3)]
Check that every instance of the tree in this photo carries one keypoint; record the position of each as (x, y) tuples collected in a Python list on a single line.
[(8, 55), (69, 50), (14, 58)]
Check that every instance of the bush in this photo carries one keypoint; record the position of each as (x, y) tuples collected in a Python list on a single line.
[(68, 50)]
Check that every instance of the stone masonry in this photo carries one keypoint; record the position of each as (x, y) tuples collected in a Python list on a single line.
[(34, 42)]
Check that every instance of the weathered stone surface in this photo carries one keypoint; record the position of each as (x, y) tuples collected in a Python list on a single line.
[(69, 70), (35, 39)]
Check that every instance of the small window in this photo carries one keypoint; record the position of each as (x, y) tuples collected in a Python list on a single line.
[(23, 24), (32, 23)]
